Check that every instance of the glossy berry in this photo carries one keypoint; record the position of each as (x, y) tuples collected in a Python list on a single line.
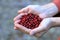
[(30, 21)]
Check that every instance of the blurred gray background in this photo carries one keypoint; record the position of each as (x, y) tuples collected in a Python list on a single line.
[(8, 10)]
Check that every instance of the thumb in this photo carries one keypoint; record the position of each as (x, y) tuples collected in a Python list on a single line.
[(36, 30)]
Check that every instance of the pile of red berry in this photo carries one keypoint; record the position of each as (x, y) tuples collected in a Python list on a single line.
[(30, 21)]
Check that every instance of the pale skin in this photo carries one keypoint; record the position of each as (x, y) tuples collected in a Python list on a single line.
[(54, 21), (42, 28)]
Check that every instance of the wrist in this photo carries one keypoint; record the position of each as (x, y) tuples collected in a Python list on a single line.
[(57, 3), (56, 21)]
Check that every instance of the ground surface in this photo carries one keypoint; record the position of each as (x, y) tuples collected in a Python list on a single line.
[(8, 10)]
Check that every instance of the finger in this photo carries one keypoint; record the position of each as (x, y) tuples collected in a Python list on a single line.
[(22, 28), (39, 34), (16, 28), (16, 22), (34, 31), (19, 16), (24, 10), (32, 11)]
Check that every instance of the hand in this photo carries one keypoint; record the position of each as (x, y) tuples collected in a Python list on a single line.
[(44, 26), (44, 11)]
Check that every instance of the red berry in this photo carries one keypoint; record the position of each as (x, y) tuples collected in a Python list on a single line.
[(30, 21)]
